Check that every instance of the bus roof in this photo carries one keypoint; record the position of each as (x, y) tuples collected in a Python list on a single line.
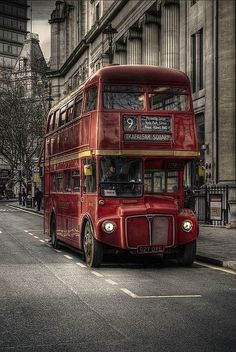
[(139, 74)]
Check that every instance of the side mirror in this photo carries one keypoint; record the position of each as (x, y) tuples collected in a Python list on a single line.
[(88, 171)]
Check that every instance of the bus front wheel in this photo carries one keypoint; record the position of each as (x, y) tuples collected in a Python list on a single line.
[(93, 250), (187, 254)]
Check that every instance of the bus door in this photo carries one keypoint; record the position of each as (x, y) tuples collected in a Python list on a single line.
[(88, 189)]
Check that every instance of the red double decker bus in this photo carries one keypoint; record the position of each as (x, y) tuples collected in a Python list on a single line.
[(115, 152)]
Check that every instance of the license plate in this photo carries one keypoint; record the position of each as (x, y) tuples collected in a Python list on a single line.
[(150, 249)]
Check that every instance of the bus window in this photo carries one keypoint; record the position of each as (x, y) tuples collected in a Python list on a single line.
[(172, 181), (120, 177), (50, 123), (169, 98), (78, 107), (159, 181), (91, 99), (76, 181), (90, 178), (56, 124), (68, 181), (54, 182), (59, 182), (62, 119), (123, 97), (69, 114)]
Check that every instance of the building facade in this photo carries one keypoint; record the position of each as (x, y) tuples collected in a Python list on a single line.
[(195, 36), (13, 30)]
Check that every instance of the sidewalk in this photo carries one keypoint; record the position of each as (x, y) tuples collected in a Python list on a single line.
[(215, 245)]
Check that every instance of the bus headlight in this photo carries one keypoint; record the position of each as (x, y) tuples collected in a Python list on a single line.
[(108, 226), (187, 225)]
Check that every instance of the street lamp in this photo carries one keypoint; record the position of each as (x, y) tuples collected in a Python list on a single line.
[(110, 31), (49, 99)]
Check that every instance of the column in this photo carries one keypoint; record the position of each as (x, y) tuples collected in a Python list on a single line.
[(170, 33), (134, 47), (120, 54), (150, 39)]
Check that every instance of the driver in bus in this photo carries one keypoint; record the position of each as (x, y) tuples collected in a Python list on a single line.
[(111, 174)]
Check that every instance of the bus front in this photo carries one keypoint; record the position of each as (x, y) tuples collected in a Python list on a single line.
[(146, 137)]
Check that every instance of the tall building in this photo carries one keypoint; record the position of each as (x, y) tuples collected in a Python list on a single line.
[(195, 36), (13, 30)]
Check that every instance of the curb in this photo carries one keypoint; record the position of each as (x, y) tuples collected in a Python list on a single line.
[(30, 210), (229, 264)]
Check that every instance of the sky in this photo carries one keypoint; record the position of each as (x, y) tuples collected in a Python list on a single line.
[(41, 11)]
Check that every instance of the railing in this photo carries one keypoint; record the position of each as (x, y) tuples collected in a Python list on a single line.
[(210, 203)]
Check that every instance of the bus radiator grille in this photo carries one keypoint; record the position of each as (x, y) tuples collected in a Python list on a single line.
[(148, 230)]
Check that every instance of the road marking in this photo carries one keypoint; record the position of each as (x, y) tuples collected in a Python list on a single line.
[(111, 282), (96, 274), (128, 292), (26, 230), (133, 295), (67, 256), (219, 268), (35, 236), (48, 245), (81, 265), (0, 231), (42, 241), (31, 234), (57, 250)]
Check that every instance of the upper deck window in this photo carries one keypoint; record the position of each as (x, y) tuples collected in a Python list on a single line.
[(69, 115), (78, 107), (91, 99), (50, 123), (57, 114), (169, 98), (62, 119), (123, 97)]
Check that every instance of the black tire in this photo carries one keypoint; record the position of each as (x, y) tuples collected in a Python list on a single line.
[(93, 250), (187, 254), (55, 243)]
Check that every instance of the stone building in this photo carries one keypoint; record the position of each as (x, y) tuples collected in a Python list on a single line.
[(195, 36), (13, 30), (30, 68)]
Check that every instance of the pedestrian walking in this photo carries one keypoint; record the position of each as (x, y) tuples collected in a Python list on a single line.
[(38, 198), (24, 197)]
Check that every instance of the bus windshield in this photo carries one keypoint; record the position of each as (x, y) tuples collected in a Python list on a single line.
[(169, 98), (121, 177), (123, 97)]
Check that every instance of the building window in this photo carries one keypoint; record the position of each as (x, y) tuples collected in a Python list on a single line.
[(193, 60), (97, 12), (197, 61), (200, 33)]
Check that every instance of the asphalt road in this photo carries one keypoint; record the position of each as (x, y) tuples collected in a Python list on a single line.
[(50, 301)]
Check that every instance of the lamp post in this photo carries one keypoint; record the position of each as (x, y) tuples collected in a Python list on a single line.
[(49, 99), (110, 31)]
